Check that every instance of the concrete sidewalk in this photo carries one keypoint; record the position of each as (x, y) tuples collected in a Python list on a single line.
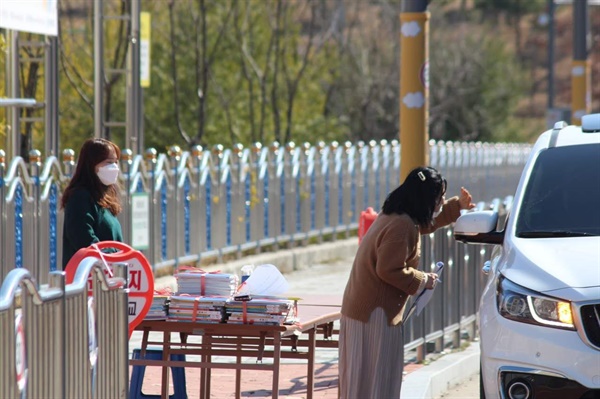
[(314, 270)]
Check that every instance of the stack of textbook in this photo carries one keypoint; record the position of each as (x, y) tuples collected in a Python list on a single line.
[(200, 283), (158, 308), (204, 309), (264, 311), (159, 305)]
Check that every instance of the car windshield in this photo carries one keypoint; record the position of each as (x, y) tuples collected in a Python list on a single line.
[(562, 197)]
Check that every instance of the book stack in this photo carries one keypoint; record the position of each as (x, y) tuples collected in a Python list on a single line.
[(200, 283), (264, 311), (158, 308), (204, 309)]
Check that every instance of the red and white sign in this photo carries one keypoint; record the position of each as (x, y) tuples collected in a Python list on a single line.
[(140, 276)]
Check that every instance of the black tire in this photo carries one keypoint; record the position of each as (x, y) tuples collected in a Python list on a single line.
[(481, 390)]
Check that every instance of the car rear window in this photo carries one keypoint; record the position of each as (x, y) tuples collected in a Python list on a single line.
[(562, 197)]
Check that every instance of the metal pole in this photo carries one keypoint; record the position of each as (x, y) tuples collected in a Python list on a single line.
[(12, 80), (98, 69), (140, 132), (51, 95), (133, 80), (414, 85), (581, 99), (551, 35)]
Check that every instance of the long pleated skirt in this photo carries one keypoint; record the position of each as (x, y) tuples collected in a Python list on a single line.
[(371, 358)]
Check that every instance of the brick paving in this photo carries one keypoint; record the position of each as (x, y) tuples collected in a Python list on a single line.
[(257, 384)]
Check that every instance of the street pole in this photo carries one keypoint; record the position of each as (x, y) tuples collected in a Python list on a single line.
[(98, 69), (551, 36), (134, 90), (13, 89), (51, 97), (414, 86), (581, 98)]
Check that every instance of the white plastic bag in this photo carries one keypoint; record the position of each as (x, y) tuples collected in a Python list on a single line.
[(265, 280)]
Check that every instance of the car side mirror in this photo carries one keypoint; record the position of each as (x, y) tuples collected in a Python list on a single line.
[(478, 228)]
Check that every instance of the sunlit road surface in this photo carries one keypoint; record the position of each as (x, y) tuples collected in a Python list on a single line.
[(466, 390)]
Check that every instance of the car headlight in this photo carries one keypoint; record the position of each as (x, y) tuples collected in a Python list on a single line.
[(526, 306)]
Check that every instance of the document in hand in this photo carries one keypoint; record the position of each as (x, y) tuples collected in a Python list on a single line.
[(425, 295)]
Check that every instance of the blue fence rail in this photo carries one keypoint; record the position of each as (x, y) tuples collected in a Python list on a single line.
[(182, 207)]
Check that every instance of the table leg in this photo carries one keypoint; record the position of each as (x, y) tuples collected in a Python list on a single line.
[(310, 375), (145, 335), (276, 363), (208, 370), (328, 331), (238, 374), (165, 369), (204, 357)]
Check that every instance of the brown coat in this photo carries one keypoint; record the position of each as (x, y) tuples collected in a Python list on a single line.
[(384, 272)]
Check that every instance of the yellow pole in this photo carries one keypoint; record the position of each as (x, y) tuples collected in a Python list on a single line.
[(581, 96), (414, 91)]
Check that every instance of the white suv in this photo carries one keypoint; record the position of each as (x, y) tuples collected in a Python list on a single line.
[(539, 316)]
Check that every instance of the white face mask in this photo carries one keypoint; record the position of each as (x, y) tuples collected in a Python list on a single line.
[(108, 174), (437, 213)]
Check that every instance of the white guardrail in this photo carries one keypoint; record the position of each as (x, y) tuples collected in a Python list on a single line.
[(59, 342)]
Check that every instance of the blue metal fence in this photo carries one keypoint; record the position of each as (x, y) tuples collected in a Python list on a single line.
[(210, 203)]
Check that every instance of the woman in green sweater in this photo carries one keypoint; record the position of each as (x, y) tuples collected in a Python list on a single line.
[(383, 276), (91, 200)]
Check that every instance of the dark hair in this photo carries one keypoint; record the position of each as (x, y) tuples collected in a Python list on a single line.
[(417, 196), (94, 151)]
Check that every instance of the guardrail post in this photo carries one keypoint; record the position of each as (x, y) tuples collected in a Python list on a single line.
[(3, 227), (43, 312), (111, 299), (35, 162), (153, 251)]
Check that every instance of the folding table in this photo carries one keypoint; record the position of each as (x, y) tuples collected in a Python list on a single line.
[(244, 340)]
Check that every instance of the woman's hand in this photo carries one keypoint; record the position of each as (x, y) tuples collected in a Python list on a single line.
[(465, 199), (432, 279)]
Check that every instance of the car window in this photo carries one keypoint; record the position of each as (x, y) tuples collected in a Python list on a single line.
[(562, 197)]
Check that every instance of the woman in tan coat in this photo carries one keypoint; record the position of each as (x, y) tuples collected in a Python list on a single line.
[(383, 276)]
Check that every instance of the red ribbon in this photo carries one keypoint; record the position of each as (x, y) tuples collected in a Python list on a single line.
[(239, 288), (193, 269), (163, 291), (195, 314)]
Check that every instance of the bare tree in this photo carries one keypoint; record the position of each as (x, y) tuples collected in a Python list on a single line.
[(364, 93), (204, 58), (251, 68), (78, 73), (292, 80), (275, 86)]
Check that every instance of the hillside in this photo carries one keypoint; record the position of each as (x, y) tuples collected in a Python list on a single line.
[(533, 55), (535, 45)]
